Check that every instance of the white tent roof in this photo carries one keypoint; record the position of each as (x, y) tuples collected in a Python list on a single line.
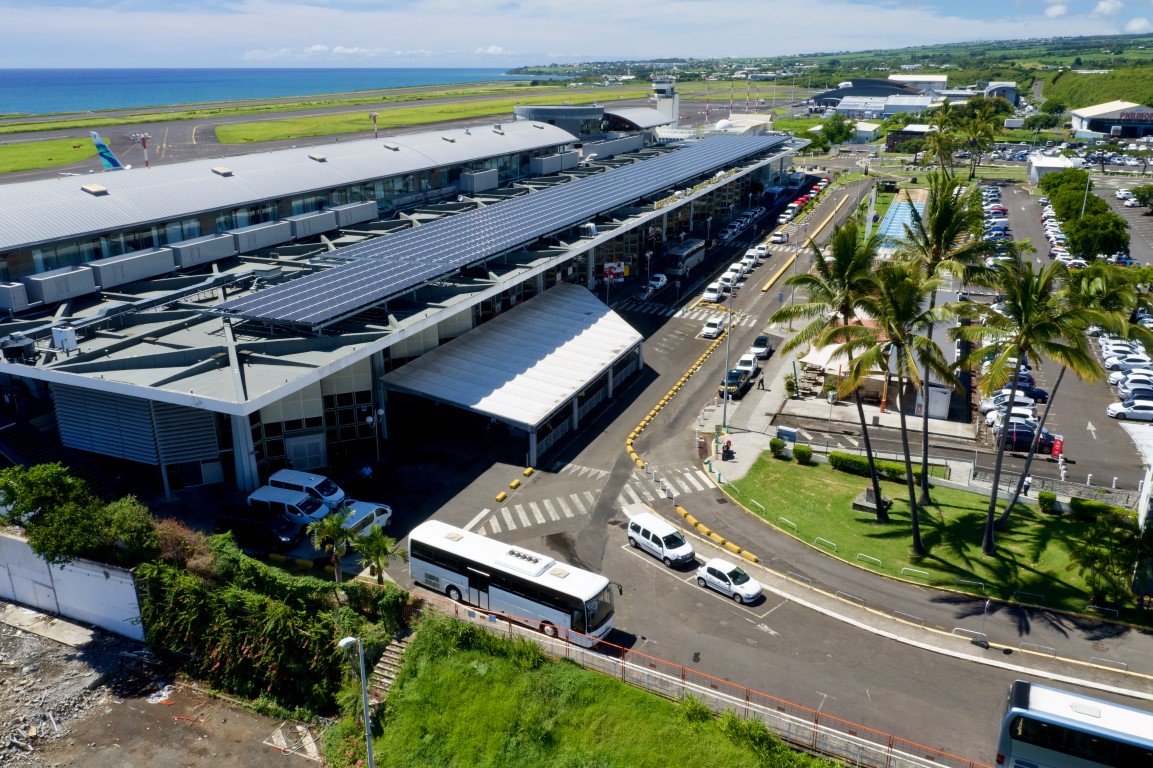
[(521, 366)]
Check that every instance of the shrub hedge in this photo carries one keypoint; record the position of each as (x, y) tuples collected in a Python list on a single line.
[(803, 454), (859, 465), (1047, 501), (777, 446)]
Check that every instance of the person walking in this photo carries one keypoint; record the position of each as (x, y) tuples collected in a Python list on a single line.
[(761, 381), (1028, 484)]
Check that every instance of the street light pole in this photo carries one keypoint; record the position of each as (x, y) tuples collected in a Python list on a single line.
[(375, 422), (375, 134), (728, 348), (1085, 199), (345, 644)]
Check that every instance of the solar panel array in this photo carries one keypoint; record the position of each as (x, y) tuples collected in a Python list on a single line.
[(390, 265)]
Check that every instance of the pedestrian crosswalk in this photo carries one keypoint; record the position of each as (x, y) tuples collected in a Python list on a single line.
[(695, 314), (669, 482)]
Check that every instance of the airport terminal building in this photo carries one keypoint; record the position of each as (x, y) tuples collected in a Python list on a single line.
[(220, 320)]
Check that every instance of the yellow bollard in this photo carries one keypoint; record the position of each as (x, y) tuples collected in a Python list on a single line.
[(749, 556), (527, 471), (501, 496), (730, 546)]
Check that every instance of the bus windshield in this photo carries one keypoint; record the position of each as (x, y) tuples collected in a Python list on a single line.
[(599, 609)]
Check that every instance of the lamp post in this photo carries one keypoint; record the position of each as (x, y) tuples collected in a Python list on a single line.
[(1085, 199), (375, 134), (728, 348), (345, 644), (374, 422)]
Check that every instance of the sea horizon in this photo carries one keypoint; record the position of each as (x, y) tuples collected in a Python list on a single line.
[(59, 90)]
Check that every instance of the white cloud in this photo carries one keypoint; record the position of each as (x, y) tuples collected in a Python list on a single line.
[(1056, 11), (493, 50), (1108, 8), (316, 49), (1138, 26), (356, 51), (266, 54)]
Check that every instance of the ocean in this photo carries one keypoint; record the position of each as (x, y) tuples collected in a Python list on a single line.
[(48, 91)]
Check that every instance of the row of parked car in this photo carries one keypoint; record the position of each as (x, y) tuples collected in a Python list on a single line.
[(996, 215), (652, 535), (798, 205), (737, 226), (276, 515), (1019, 415), (1131, 372)]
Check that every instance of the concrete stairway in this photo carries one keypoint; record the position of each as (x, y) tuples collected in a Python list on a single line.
[(384, 674)]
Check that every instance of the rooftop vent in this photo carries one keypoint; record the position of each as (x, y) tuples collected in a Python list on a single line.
[(95, 189), (449, 139), (538, 125), (220, 170), (497, 129), (318, 158), (393, 147)]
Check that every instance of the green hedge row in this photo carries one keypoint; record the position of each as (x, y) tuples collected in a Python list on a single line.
[(859, 465)]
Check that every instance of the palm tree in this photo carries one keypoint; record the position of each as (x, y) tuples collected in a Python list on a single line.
[(978, 129), (1036, 322), (376, 549), (941, 144), (834, 289), (897, 307), (329, 535), (943, 239), (1100, 287)]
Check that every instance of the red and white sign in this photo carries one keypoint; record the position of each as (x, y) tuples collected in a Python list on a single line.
[(1058, 445), (614, 272)]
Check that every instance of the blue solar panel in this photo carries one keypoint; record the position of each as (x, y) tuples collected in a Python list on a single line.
[(392, 264)]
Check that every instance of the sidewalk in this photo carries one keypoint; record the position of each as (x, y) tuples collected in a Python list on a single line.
[(1031, 642)]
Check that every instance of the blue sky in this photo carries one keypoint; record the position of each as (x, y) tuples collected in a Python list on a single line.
[(505, 33)]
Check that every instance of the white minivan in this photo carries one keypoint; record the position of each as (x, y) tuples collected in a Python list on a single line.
[(660, 539), (318, 487)]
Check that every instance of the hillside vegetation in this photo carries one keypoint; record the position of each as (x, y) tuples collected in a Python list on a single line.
[(1127, 84)]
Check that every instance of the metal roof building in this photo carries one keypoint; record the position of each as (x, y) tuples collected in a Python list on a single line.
[(160, 373)]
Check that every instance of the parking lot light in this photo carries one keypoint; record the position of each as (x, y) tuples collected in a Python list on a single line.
[(345, 644)]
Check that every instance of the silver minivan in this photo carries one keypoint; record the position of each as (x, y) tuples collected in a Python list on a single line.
[(660, 539), (268, 503), (317, 486)]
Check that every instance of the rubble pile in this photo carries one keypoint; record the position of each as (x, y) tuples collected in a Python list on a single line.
[(46, 686)]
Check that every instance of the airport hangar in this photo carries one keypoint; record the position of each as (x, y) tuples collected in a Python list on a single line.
[(220, 358)]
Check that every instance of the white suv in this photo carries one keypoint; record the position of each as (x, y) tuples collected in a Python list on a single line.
[(713, 328)]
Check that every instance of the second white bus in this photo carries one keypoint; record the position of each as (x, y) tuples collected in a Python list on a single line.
[(529, 588)]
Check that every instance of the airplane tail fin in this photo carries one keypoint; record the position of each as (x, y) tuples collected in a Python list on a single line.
[(106, 156)]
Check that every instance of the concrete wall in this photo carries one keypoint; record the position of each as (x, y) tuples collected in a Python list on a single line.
[(94, 593)]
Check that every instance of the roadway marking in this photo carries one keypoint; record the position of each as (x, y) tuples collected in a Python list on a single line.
[(1092, 430), (592, 500), (507, 519), (579, 504), (523, 517), (495, 524), (564, 507), (536, 512), (477, 519), (551, 512), (851, 441), (634, 498)]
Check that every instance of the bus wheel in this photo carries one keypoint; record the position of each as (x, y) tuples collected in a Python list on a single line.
[(453, 594), (548, 629)]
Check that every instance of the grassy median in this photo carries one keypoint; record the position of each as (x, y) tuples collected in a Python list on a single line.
[(1033, 553)]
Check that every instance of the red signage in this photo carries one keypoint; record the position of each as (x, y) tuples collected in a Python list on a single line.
[(1058, 445), (1136, 117)]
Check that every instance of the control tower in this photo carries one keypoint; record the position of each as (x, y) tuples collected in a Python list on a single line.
[(668, 102)]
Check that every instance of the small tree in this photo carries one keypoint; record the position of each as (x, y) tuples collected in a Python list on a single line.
[(330, 536), (376, 549)]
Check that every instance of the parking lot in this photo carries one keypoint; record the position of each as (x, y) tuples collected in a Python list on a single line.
[(1094, 443)]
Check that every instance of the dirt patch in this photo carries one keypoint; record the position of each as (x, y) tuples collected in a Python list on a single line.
[(109, 703)]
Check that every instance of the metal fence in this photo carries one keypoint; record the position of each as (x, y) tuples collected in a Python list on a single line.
[(801, 727), (1116, 496)]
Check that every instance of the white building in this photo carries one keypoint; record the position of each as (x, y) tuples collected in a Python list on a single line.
[(1115, 118)]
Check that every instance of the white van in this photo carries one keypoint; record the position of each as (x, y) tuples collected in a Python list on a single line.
[(750, 260), (268, 503), (661, 540), (363, 515), (317, 486), (713, 293), (729, 280)]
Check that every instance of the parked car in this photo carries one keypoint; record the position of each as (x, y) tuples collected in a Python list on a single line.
[(1127, 362), (1116, 377), (1136, 393), (1020, 412), (1020, 437), (363, 515), (712, 295), (714, 327), (998, 399), (266, 534), (1036, 394), (762, 347), (734, 384), (748, 362), (1137, 410), (650, 533), (779, 237), (658, 281), (1123, 194), (728, 579), (1132, 202)]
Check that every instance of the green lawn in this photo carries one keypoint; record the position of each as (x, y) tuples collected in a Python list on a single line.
[(1032, 552), (326, 125), (466, 698), (44, 154)]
